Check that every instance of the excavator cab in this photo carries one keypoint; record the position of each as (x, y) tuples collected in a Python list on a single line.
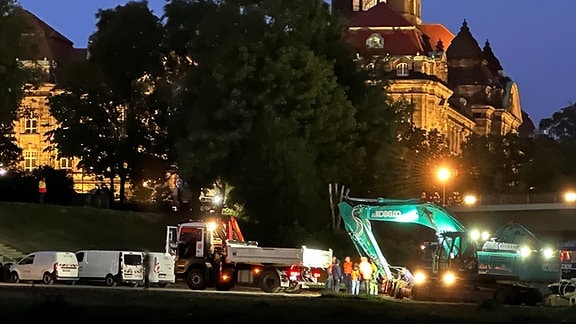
[(456, 254)]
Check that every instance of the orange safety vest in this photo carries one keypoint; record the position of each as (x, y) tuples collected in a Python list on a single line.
[(347, 267)]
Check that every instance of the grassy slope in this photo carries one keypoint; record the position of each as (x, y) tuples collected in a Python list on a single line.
[(33, 227)]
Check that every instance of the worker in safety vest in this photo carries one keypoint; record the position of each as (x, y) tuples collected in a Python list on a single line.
[(41, 190), (366, 273)]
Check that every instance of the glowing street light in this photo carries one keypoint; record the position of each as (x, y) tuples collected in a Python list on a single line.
[(470, 200), (443, 175), (570, 197)]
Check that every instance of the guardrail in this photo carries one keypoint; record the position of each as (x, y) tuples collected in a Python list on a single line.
[(508, 199)]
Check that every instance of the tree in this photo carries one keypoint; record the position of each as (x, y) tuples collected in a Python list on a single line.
[(381, 166), (424, 152), (13, 77), (562, 124), (264, 108), (115, 121), (547, 166), (494, 164)]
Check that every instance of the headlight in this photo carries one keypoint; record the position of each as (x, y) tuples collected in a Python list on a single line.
[(419, 277), (211, 226), (525, 251), (475, 235), (449, 278), (548, 253)]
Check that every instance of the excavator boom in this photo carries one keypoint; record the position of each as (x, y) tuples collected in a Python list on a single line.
[(357, 213)]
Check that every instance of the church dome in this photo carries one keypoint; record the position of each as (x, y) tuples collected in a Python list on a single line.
[(464, 46)]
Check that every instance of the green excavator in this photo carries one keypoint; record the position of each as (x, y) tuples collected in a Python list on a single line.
[(513, 267)]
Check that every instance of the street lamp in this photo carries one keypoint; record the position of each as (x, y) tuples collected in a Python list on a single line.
[(443, 175), (470, 200), (570, 196)]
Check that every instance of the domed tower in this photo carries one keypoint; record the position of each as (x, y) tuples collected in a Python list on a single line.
[(481, 86), (411, 10)]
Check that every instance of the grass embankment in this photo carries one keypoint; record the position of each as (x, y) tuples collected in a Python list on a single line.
[(34, 227)]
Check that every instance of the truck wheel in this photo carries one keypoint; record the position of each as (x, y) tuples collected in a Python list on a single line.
[(196, 280), (109, 281), (47, 278), (14, 278), (270, 281)]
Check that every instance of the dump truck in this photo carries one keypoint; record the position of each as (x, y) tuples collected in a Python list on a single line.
[(214, 253)]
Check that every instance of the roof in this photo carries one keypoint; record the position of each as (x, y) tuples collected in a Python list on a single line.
[(493, 62), (378, 16), (436, 33), (396, 42), (527, 127), (464, 46), (43, 42)]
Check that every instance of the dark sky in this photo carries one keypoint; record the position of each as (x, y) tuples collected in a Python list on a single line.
[(534, 40)]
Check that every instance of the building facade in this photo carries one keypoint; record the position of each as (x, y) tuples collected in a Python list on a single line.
[(45, 50), (453, 85)]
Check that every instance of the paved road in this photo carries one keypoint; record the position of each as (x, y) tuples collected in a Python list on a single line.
[(24, 289), (99, 304)]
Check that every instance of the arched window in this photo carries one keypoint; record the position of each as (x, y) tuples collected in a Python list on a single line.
[(402, 69)]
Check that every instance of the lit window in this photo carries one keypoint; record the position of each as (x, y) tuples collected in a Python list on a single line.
[(30, 160), (65, 164), (31, 126), (367, 4), (402, 69)]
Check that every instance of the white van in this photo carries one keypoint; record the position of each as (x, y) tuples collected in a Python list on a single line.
[(45, 266), (111, 267), (159, 268)]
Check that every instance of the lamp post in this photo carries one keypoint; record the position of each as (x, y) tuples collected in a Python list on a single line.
[(443, 175)]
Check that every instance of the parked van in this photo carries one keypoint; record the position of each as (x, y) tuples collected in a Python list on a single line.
[(45, 266), (111, 267), (159, 268)]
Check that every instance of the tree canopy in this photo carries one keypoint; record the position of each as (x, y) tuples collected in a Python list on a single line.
[(114, 121), (262, 95)]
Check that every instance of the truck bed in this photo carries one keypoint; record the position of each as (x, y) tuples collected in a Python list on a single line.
[(252, 254)]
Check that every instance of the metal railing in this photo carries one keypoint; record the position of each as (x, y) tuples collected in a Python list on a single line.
[(508, 199), (529, 198)]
